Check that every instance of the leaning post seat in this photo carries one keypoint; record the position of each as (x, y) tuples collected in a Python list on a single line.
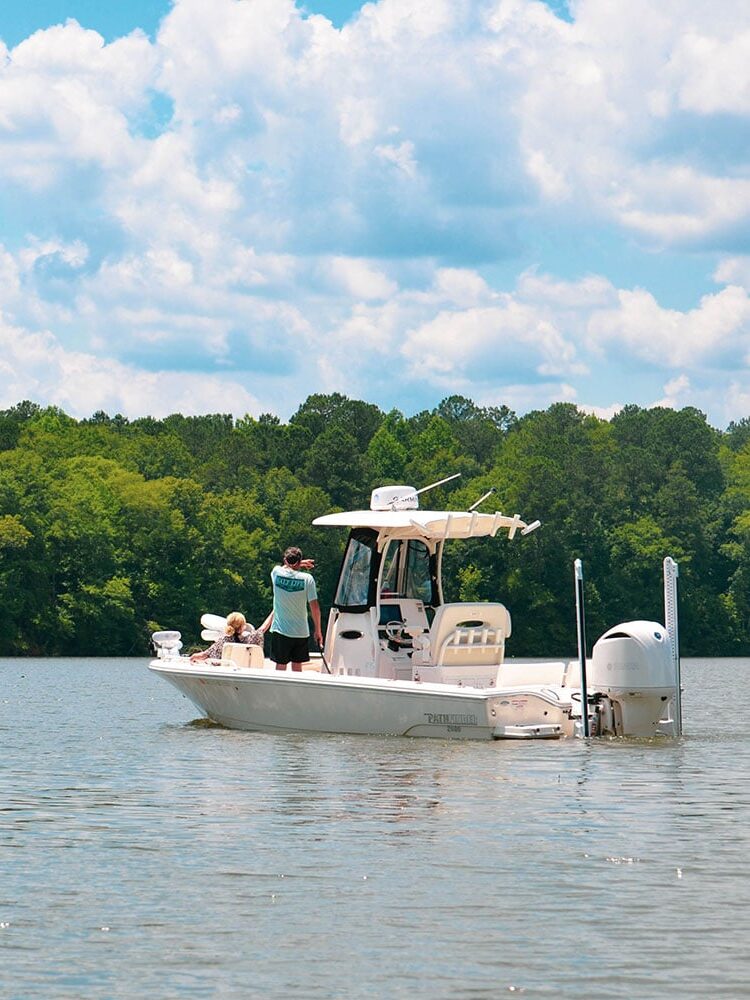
[(469, 634), (240, 654)]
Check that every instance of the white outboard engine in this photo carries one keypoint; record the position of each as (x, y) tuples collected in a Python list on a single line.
[(632, 666), (167, 644)]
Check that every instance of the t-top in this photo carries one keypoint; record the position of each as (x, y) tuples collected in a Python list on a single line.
[(292, 589)]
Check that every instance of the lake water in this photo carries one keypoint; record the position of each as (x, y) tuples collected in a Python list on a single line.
[(145, 854)]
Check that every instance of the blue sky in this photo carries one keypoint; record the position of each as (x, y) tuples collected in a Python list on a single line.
[(113, 18), (243, 202)]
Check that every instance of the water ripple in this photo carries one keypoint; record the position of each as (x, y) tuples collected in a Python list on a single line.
[(150, 853)]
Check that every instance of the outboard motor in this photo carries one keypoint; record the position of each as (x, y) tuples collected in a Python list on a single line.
[(167, 644), (632, 666)]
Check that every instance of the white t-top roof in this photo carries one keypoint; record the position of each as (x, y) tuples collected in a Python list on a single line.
[(433, 524)]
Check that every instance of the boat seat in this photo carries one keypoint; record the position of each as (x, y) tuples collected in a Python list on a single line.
[(469, 634), (242, 654)]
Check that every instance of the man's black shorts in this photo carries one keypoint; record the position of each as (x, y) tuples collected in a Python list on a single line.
[(285, 649)]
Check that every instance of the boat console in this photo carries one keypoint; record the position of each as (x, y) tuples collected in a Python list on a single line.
[(401, 620)]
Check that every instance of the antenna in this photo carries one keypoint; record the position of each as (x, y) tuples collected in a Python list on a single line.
[(482, 499), (438, 483), (424, 489)]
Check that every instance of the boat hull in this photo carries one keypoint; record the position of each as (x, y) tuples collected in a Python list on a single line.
[(272, 701)]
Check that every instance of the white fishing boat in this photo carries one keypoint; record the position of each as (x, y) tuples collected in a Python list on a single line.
[(398, 660)]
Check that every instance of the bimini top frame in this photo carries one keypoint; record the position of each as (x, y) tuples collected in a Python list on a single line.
[(394, 516), (431, 525)]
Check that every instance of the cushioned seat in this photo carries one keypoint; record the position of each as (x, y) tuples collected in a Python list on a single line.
[(239, 654), (470, 634)]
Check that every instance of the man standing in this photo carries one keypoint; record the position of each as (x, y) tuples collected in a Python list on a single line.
[(293, 589)]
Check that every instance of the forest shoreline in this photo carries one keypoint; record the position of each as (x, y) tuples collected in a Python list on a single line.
[(111, 528)]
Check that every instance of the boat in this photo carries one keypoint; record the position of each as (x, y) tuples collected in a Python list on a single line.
[(399, 660)]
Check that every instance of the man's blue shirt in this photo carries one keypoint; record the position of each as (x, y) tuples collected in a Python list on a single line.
[(292, 589)]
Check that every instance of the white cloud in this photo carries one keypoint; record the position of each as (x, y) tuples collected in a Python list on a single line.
[(361, 280), (258, 189), (734, 271), (358, 120), (525, 396), (679, 204), (66, 98), (603, 412), (446, 97), (675, 390), (477, 343), (401, 156), (719, 328), (551, 180), (590, 292), (10, 281), (35, 366), (723, 401), (712, 70), (603, 112), (74, 254), (461, 286), (733, 401)]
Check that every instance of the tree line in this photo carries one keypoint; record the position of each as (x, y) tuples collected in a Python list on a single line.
[(112, 528)]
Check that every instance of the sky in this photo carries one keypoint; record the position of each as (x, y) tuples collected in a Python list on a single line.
[(225, 207)]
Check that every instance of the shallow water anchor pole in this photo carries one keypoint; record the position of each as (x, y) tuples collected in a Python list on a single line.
[(581, 628), (671, 572)]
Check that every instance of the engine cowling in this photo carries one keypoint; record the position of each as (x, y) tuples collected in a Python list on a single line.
[(632, 665)]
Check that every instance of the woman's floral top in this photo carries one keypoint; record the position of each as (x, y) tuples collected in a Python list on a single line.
[(252, 637)]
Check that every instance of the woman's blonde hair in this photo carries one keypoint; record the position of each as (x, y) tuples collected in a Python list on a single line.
[(235, 623)]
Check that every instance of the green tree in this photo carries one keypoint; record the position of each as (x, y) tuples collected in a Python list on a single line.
[(320, 413), (478, 430), (111, 526), (385, 457), (335, 464), (12, 420)]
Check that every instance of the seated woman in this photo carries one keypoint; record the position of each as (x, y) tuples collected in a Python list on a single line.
[(237, 630)]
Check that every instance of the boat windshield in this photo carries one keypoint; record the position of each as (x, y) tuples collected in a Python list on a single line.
[(389, 585), (408, 571), (356, 588), (418, 578)]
